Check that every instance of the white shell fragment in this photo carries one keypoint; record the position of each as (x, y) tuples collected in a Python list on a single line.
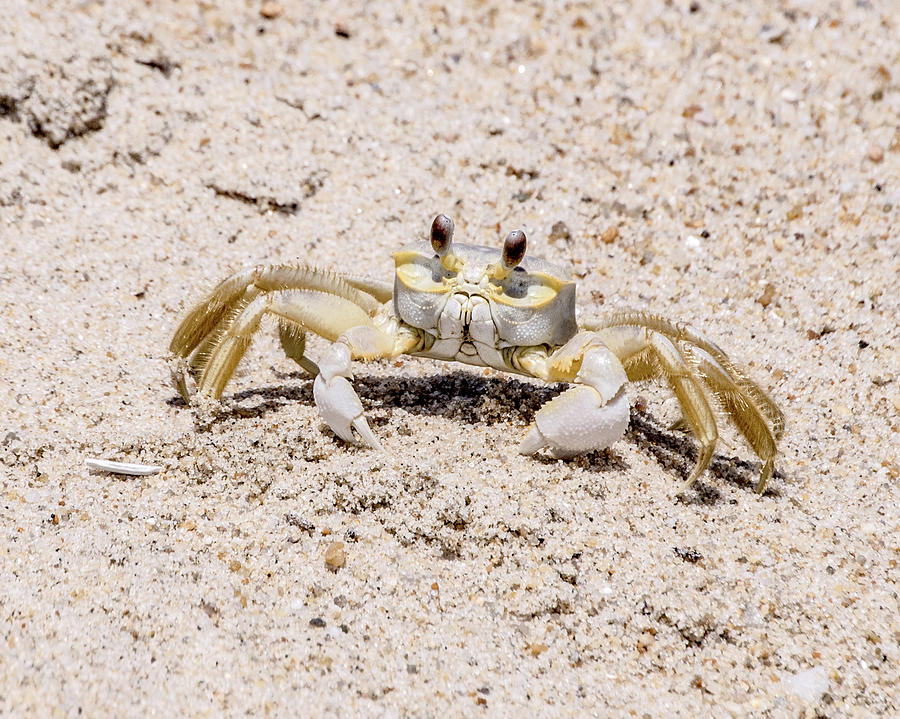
[(133, 470)]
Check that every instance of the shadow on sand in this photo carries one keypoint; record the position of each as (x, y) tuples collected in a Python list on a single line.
[(466, 397)]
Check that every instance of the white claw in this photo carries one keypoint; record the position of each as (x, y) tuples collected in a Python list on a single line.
[(337, 401), (533, 442), (577, 421), (366, 434), (342, 411), (336, 362)]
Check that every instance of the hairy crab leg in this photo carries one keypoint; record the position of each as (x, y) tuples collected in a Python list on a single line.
[(326, 315), (216, 332), (688, 367), (228, 294), (683, 332)]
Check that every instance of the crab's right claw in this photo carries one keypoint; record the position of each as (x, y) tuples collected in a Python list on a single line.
[(591, 415), (338, 402), (577, 421)]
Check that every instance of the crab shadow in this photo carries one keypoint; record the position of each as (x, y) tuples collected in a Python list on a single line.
[(676, 451), (471, 399)]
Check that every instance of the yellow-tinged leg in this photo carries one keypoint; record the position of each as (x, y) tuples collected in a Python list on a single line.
[(326, 315), (683, 333), (293, 342), (215, 334), (651, 347), (748, 416), (205, 316)]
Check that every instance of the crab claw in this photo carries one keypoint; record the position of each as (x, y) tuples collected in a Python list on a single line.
[(337, 401), (591, 415), (577, 421)]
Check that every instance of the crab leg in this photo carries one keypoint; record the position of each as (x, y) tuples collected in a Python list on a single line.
[(325, 314), (230, 296), (591, 415), (216, 333), (650, 353), (689, 363), (685, 335)]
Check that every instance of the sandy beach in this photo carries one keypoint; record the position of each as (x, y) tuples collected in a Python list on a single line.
[(735, 166)]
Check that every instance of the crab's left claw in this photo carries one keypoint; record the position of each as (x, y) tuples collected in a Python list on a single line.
[(336, 399), (591, 415)]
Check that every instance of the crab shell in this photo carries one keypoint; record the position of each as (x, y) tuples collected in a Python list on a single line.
[(471, 302)]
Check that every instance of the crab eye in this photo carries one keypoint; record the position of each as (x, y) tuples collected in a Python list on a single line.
[(514, 249), (441, 234)]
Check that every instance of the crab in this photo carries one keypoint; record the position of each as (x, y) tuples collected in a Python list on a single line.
[(472, 304)]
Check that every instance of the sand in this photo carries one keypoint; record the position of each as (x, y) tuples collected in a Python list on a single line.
[(735, 166)]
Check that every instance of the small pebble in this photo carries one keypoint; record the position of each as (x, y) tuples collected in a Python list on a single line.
[(876, 153), (767, 295), (271, 10), (609, 235), (317, 622), (705, 118), (795, 213), (559, 231), (335, 556), (809, 685), (775, 34)]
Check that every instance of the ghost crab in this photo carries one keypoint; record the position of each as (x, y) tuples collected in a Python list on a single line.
[(471, 304)]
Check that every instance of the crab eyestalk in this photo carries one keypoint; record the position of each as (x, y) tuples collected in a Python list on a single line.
[(442, 239), (441, 234), (512, 255)]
